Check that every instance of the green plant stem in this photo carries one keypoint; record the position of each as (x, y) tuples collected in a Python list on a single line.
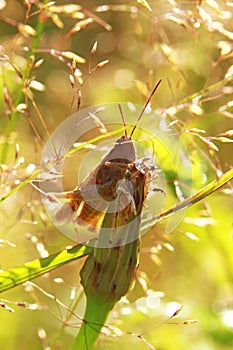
[(95, 316), (20, 98)]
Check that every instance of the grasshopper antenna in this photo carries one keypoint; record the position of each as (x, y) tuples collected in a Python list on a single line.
[(123, 121), (145, 105)]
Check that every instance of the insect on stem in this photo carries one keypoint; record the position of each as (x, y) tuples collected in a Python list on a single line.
[(144, 107)]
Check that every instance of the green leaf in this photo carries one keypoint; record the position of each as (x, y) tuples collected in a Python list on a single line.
[(35, 268)]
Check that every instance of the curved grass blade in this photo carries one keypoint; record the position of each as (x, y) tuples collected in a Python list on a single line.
[(197, 197), (21, 185), (35, 268)]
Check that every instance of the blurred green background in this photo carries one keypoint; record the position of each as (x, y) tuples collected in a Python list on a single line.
[(187, 44)]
